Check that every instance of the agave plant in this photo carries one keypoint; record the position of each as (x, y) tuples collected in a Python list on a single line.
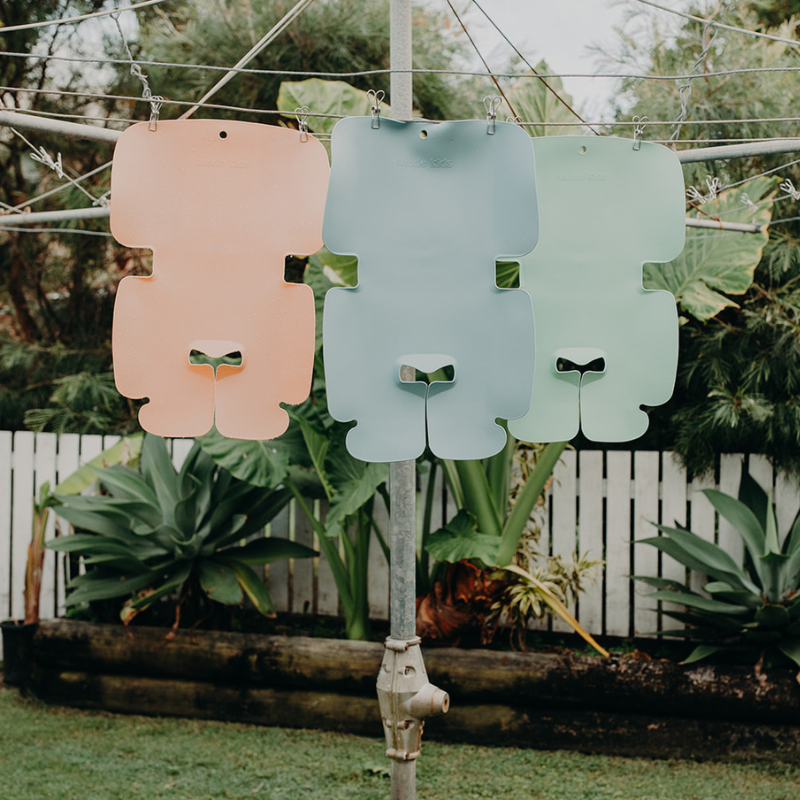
[(755, 606), (160, 531)]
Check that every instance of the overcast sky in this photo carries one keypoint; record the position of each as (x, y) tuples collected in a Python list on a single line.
[(562, 32)]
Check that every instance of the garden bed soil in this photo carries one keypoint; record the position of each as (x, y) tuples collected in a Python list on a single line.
[(622, 705)]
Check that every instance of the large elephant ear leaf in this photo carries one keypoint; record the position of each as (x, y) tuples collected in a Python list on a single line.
[(335, 98), (354, 482), (269, 549), (714, 264), (460, 539), (259, 463)]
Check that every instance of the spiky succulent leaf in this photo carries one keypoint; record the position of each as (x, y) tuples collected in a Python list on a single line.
[(253, 587), (692, 557), (702, 651), (127, 484), (269, 549), (772, 616), (160, 526), (772, 569), (159, 472), (743, 520), (219, 581), (754, 497), (724, 591), (700, 603), (791, 649), (106, 588)]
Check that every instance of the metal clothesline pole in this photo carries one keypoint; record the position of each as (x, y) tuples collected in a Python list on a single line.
[(36, 217), (745, 150), (74, 130), (402, 474), (741, 227)]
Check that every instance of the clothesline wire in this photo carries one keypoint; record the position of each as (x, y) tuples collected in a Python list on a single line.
[(722, 25), (20, 206), (81, 18), (420, 119), (274, 112), (532, 68), (369, 72), (42, 156), (762, 174), (480, 56)]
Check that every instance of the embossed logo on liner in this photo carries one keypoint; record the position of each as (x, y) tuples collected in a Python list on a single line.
[(218, 162), (575, 175), (423, 163)]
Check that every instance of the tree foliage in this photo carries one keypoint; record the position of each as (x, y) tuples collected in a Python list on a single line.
[(328, 37), (56, 290)]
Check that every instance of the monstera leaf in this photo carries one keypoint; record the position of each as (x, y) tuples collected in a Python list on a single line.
[(325, 97), (714, 262), (532, 101), (260, 463)]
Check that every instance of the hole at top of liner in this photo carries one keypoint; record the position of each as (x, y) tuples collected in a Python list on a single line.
[(223, 134), (582, 149), (423, 134)]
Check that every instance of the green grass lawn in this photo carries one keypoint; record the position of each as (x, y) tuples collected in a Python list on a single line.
[(73, 755)]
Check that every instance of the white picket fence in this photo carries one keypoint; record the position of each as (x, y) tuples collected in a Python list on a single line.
[(599, 502)]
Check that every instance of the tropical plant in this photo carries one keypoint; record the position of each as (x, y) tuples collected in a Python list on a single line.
[(493, 528), (487, 527), (713, 267), (541, 590), (161, 531), (738, 373), (311, 462), (753, 608)]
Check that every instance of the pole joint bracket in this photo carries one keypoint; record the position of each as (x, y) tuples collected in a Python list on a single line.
[(406, 698)]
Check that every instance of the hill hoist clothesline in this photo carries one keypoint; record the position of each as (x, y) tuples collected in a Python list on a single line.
[(450, 183)]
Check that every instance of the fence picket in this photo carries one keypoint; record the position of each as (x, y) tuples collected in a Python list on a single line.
[(67, 462), (645, 557), (564, 516), (590, 527), (6, 441), (45, 470), (618, 542), (787, 503), (22, 518)]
